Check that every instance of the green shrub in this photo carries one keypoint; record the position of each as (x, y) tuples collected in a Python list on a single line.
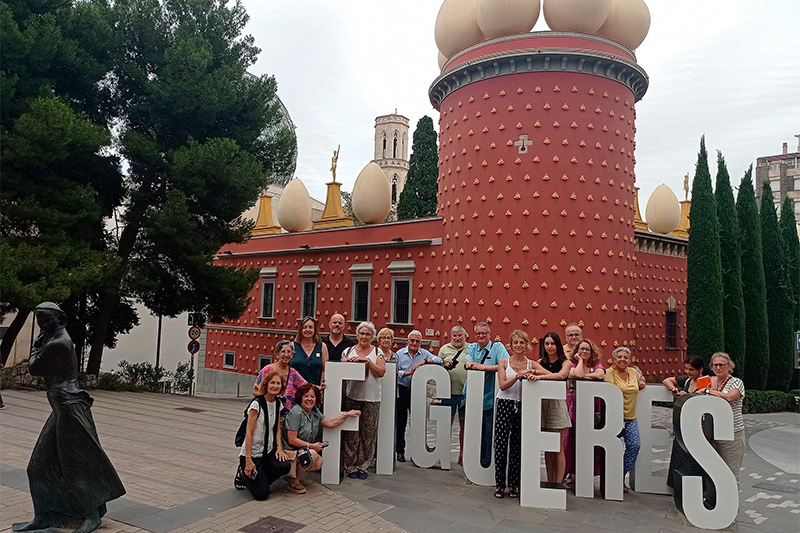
[(113, 382), (143, 376), (184, 376), (768, 401), (7, 380)]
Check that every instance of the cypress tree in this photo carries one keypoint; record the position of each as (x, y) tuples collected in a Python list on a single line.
[(704, 327), (778, 302), (731, 266), (418, 198), (788, 224), (753, 287)]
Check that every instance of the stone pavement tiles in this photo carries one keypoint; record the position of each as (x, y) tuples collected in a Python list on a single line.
[(176, 457)]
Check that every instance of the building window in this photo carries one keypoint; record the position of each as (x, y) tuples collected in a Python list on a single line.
[(384, 146), (309, 298), (268, 299), (264, 360), (361, 299), (672, 329), (394, 148), (394, 189), (229, 359), (401, 300)]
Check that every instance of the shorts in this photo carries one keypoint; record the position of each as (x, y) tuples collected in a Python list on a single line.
[(293, 458), (457, 402)]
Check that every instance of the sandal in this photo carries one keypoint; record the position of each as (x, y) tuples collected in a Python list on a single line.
[(238, 480), (513, 493), (499, 494), (297, 489)]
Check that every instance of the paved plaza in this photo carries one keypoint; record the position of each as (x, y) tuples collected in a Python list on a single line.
[(176, 457)]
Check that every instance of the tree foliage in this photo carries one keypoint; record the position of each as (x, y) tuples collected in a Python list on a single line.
[(779, 305), (788, 228), (704, 320), (140, 110), (731, 268), (754, 289), (418, 198), (59, 181)]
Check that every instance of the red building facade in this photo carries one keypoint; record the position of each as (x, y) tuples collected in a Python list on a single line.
[(535, 225)]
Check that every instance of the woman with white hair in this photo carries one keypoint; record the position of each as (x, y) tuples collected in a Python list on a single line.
[(630, 381), (365, 396), (730, 389)]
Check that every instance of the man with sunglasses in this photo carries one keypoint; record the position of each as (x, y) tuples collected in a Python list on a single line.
[(409, 359)]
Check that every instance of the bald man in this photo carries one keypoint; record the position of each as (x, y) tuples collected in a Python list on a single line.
[(336, 342)]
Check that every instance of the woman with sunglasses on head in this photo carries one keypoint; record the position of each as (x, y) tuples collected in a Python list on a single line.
[(630, 381), (358, 447), (585, 365), (553, 365), (731, 389), (680, 386), (310, 353), (284, 351), (261, 458)]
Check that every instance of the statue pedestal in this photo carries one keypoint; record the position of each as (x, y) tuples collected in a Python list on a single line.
[(333, 214), (683, 225), (265, 224)]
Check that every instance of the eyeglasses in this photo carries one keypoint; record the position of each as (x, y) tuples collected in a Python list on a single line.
[(573, 335), (481, 333), (719, 364), (414, 341), (365, 333)]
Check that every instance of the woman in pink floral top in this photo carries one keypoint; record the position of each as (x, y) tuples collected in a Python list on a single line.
[(585, 365), (284, 351)]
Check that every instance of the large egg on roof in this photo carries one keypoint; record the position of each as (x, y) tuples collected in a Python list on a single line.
[(506, 17), (628, 23), (294, 208), (585, 16), (371, 195), (663, 212), (442, 60), (456, 26)]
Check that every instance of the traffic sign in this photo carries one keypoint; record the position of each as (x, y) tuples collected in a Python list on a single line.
[(193, 347), (194, 332)]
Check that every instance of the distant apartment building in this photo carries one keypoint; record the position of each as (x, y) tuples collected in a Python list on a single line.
[(783, 173)]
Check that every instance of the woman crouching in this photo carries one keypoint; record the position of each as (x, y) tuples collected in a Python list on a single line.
[(302, 426), (262, 459)]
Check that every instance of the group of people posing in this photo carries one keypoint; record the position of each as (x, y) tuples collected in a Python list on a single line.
[(284, 436)]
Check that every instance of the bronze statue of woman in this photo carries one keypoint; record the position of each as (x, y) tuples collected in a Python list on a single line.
[(70, 476)]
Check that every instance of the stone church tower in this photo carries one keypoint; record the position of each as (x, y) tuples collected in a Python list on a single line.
[(391, 150)]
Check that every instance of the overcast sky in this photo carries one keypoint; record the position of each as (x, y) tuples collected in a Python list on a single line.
[(729, 70)]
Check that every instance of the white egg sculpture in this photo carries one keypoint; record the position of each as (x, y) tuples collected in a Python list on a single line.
[(442, 60), (294, 208), (663, 212), (372, 195), (585, 16), (506, 17), (628, 23), (456, 26)]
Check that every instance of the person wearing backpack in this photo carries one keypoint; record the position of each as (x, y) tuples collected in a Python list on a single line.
[(261, 458)]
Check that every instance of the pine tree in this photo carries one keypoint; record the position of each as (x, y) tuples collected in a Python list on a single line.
[(753, 287), (731, 265), (418, 198), (704, 320), (778, 302)]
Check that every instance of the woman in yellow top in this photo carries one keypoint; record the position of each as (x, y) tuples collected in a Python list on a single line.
[(630, 381)]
